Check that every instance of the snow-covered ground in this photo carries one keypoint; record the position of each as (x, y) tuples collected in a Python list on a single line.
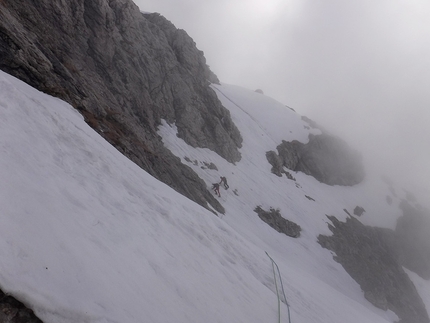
[(87, 236)]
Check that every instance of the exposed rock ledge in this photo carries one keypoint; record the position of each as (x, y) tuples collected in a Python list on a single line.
[(364, 253), (276, 221), (327, 158), (13, 311)]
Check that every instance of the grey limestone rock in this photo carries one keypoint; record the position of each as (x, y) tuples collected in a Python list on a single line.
[(412, 243), (276, 161), (14, 311), (124, 71), (368, 258), (358, 211), (325, 157), (276, 221)]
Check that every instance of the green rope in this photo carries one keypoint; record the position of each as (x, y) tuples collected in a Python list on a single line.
[(277, 291)]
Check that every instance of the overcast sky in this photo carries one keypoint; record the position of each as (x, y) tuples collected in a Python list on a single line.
[(360, 68)]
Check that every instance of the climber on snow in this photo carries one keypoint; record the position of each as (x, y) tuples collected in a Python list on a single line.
[(215, 187), (224, 180)]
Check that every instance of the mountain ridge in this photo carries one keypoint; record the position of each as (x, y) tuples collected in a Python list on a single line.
[(143, 86)]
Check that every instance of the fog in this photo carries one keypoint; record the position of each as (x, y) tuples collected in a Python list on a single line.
[(359, 68)]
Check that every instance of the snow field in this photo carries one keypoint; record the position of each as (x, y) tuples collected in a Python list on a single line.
[(87, 236)]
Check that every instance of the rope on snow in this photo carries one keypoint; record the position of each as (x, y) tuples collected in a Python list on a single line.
[(274, 264)]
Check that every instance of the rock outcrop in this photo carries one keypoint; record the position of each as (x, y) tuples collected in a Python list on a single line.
[(412, 239), (274, 219), (325, 157), (13, 311), (367, 256), (125, 71), (358, 211)]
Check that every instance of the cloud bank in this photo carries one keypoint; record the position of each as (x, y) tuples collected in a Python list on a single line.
[(359, 68)]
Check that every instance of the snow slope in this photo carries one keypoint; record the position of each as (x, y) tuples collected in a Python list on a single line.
[(87, 236)]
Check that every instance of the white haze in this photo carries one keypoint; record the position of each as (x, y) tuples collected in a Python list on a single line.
[(360, 68), (87, 236)]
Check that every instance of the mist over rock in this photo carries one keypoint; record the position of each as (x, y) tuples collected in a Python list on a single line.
[(367, 257), (412, 239), (125, 71), (327, 158)]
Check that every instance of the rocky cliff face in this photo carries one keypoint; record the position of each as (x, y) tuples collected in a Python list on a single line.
[(125, 71)]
